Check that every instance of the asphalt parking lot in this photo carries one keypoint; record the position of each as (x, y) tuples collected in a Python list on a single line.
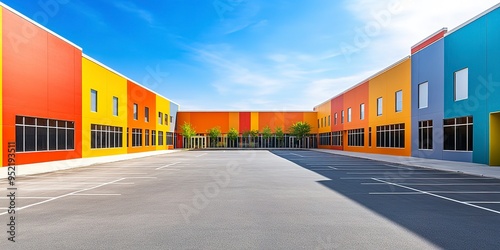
[(451, 210), (252, 200)]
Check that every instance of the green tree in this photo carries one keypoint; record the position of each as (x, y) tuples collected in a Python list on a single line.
[(188, 132), (254, 134), (266, 134), (280, 136), (232, 135), (213, 134), (300, 129), (246, 137)]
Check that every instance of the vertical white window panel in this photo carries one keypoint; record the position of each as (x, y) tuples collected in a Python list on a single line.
[(93, 100), (423, 95), (462, 84), (399, 101)]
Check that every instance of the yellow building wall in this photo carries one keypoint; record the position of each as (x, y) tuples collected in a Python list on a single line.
[(324, 110), (108, 85), (254, 121), (311, 118), (494, 142), (386, 85), (234, 120), (163, 106)]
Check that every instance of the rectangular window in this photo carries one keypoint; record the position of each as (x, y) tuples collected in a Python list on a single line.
[(146, 137), (153, 138), (379, 106), (362, 111), (93, 100), (349, 115), (160, 138), (42, 134), (166, 119), (329, 120), (319, 124), (462, 84), (325, 139), (356, 137), (342, 117), (337, 138), (146, 114), (160, 118), (423, 95), (136, 112), (170, 138), (115, 106), (136, 137), (171, 119), (391, 136), (458, 134), (399, 101), (425, 135), (103, 136), (335, 116)]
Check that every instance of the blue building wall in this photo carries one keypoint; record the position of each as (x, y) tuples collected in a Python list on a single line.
[(174, 108), (476, 47), (428, 66)]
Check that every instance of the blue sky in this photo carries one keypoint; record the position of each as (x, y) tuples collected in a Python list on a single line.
[(278, 55)]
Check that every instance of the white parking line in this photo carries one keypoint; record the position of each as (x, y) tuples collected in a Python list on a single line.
[(483, 202), (296, 154), (464, 192), (96, 194), (166, 166), (394, 193), (201, 155), (402, 178), (41, 198), (436, 184), (438, 196), (377, 169), (65, 195), (396, 172), (408, 168), (72, 183)]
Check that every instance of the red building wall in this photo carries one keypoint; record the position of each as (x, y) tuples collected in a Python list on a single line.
[(41, 78)]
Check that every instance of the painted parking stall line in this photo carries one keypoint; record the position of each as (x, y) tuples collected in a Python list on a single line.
[(438, 196), (168, 165), (66, 195)]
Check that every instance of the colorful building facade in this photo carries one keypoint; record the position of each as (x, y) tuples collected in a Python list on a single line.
[(440, 102), (59, 104)]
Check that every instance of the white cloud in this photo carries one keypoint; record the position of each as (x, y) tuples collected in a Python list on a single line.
[(132, 8), (324, 89), (401, 28)]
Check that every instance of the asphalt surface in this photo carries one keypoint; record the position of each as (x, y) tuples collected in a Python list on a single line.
[(252, 200), (450, 210)]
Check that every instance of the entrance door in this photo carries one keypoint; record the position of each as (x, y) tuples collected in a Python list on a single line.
[(495, 139)]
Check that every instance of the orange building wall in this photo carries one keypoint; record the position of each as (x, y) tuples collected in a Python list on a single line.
[(337, 104), (272, 119), (324, 112), (144, 98), (353, 99), (385, 85), (242, 121)]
